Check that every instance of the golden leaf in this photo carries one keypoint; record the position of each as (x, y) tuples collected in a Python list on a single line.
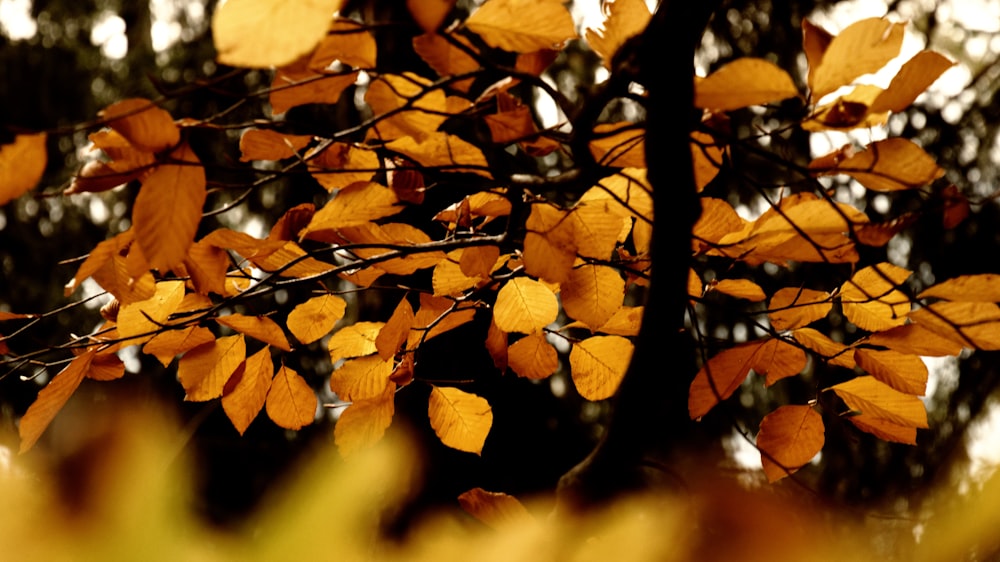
[(496, 345), (902, 371), (139, 321), (395, 331), (448, 278), (598, 365), (478, 261), (205, 370), (259, 327), (624, 19), (495, 509), (343, 164), (789, 438), (739, 288), (361, 378), (170, 343), (264, 144), (347, 41), (445, 58), (106, 366), (522, 26), (870, 299), (792, 308), (410, 106), (970, 324), (355, 340), (626, 194), (512, 125), (443, 150), (315, 318), (916, 75), (550, 243), (51, 399), (296, 85), (624, 148), (533, 357), (744, 82), (144, 125), (915, 340), (890, 165), (356, 204), (22, 164), (460, 419), (863, 47), (206, 265), (245, 399), (876, 399), (885, 429), (524, 305), (430, 15), (706, 157), (436, 316), (834, 353), (984, 287), (597, 232), (291, 402), (264, 33), (592, 294), (363, 423), (624, 322)]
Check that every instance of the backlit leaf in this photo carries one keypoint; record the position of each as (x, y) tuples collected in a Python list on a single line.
[(550, 244), (143, 124), (834, 353), (970, 324), (596, 231), (138, 321), (744, 82), (624, 19), (792, 308), (51, 399), (316, 317), (168, 209), (460, 419), (706, 157), (206, 265), (522, 26), (296, 85), (533, 357), (264, 144), (789, 438), (448, 278), (902, 371), (346, 41), (291, 402), (890, 165), (22, 164), (106, 366), (363, 423), (395, 331), (356, 204), (410, 107), (885, 429), (592, 294), (916, 75), (598, 365), (815, 41), (445, 58), (355, 340), (863, 47), (259, 327), (429, 14), (496, 510), (870, 298), (876, 399), (625, 148), (343, 164), (984, 287), (740, 288), (171, 343), (205, 370), (244, 401), (525, 305), (915, 339), (442, 149), (361, 378), (263, 33), (496, 345)]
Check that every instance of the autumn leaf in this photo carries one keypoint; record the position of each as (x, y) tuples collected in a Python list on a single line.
[(871, 300), (592, 294), (245, 399), (624, 19), (550, 244), (258, 327), (170, 343), (789, 438), (739, 288), (744, 82), (478, 261), (834, 353), (429, 15), (143, 124), (619, 144), (51, 399), (596, 232), (902, 371), (524, 305), (356, 204), (363, 423), (889, 165), (533, 357), (496, 345), (915, 76), (342, 164), (290, 403), (706, 158), (407, 106), (22, 164), (598, 365), (206, 265), (361, 378), (137, 322), (792, 308), (445, 58), (443, 150), (279, 32), (460, 419), (915, 339), (522, 25), (106, 366), (984, 287), (346, 41), (884, 429), (316, 317), (969, 324), (395, 331), (355, 340), (863, 47), (297, 84), (496, 510), (876, 399), (205, 370), (264, 144), (624, 322)]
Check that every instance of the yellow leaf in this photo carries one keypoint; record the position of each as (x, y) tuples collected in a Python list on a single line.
[(495, 509), (355, 340), (522, 25), (410, 106), (876, 399), (51, 399), (361, 378), (626, 194), (137, 322), (744, 82), (916, 75), (315, 318), (532, 357), (789, 438), (902, 371), (436, 316), (885, 429), (847, 112), (205, 370), (596, 232), (264, 144), (525, 305), (291, 403), (592, 294), (22, 164), (356, 204), (598, 365), (624, 19), (395, 331), (363, 423), (792, 308), (777, 359), (290, 260), (834, 353), (890, 165), (482, 204), (168, 209), (171, 343), (970, 324), (460, 419), (870, 299), (264, 33), (296, 85), (243, 402), (623, 149), (863, 47), (624, 322), (347, 41), (448, 278), (718, 218), (389, 236), (550, 243), (970, 288), (915, 340), (815, 41), (443, 150), (144, 125), (108, 268), (739, 288), (259, 327), (694, 286), (343, 164)]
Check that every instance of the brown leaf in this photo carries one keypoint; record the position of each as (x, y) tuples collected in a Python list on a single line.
[(430, 14), (495, 509)]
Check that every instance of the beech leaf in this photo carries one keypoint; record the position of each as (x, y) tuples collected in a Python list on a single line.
[(789, 438), (744, 82), (522, 26), (143, 124), (533, 357), (291, 402), (280, 31), (205, 370), (316, 317), (598, 365), (874, 398), (22, 164), (363, 423), (258, 327), (497, 510), (525, 305), (244, 401), (863, 47), (460, 419), (51, 399)]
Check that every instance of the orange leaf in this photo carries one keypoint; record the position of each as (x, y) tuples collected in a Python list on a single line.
[(496, 344), (890, 165), (706, 157), (885, 429), (448, 278), (106, 367), (532, 357), (870, 298), (624, 322), (902, 371), (550, 243), (430, 15), (792, 308), (413, 109), (832, 352), (744, 82), (361, 378), (460, 419), (524, 305), (478, 261), (356, 204), (291, 402), (51, 399), (449, 152), (970, 288), (297, 85), (739, 288), (355, 340), (863, 47), (139, 321), (259, 327), (243, 402), (364, 422), (916, 75), (598, 365), (264, 33), (315, 318), (144, 125), (343, 164), (512, 125), (22, 164), (789, 438), (815, 41), (170, 343), (915, 340), (168, 209), (626, 194), (625, 148), (592, 294), (206, 264), (522, 26), (204, 370), (347, 41), (596, 232), (876, 399), (264, 144), (495, 509), (395, 331), (970, 324), (624, 19), (445, 58)]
